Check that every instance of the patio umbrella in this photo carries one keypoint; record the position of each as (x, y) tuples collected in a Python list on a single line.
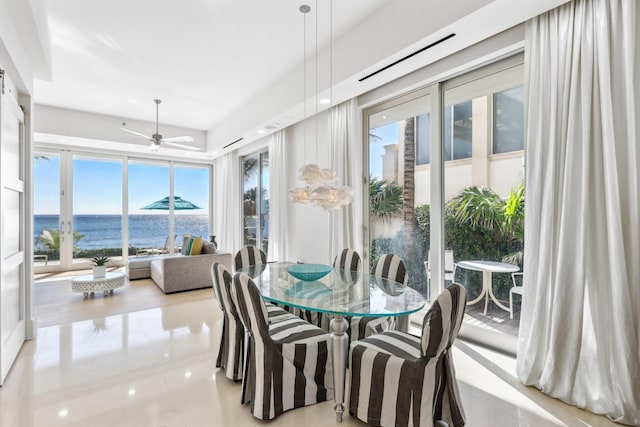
[(179, 204)]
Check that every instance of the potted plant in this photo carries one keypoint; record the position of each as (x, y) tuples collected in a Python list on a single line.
[(100, 266)]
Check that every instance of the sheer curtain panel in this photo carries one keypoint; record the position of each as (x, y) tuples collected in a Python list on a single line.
[(581, 306), (346, 163), (227, 220), (278, 201)]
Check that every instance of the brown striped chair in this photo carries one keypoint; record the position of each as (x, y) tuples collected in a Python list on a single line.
[(288, 362), (232, 343), (398, 379)]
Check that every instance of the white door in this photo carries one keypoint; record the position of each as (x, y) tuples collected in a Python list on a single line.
[(12, 235)]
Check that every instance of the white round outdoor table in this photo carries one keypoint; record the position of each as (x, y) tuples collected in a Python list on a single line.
[(89, 284), (487, 268)]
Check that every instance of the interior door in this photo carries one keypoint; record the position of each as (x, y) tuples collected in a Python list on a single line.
[(12, 236)]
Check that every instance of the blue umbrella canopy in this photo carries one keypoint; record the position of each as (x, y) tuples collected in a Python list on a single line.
[(179, 204)]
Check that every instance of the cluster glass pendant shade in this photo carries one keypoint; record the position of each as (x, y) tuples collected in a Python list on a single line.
[(319, 187)]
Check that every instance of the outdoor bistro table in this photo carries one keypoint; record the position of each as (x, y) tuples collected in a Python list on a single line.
[(487, 268), (340, 293)]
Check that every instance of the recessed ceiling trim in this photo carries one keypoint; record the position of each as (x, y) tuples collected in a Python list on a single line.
[(404, 58)]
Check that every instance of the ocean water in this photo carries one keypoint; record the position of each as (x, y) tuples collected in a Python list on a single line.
[(105, 231)]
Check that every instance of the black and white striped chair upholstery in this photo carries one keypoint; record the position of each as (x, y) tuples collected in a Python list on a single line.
[(398, 379), (391, 267), (358, 327), (289, 363), (231, 352), (248, 256)]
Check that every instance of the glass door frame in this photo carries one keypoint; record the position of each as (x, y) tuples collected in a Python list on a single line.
[(436, 283), (258, 155), (437, 183)]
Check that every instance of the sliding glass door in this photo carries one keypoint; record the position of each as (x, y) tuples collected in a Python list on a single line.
[(97, 208), (149, 227), (463, 195), (255, 200), (79, 204), (191, 184), (47, 221), (399, 177)]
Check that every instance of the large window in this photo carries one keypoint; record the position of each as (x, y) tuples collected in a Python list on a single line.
[(508, 120), (255, 200), (46, 209), (97, 208), (191, 184), (79, 206), (480, 130), (148, 220)]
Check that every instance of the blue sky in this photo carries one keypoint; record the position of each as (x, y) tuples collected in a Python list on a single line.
[(97, 186), (389, 135)]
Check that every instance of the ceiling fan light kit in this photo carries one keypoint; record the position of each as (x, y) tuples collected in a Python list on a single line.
[(157, 140)]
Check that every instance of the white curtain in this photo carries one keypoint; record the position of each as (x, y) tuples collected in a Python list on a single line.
[(346, 158), (278, 202), (226, 196), (580, 324)]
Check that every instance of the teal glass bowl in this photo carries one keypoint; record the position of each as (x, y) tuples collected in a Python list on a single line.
[(309, 272)]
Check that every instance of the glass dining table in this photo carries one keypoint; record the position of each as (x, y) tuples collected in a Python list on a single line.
[(339, 294)]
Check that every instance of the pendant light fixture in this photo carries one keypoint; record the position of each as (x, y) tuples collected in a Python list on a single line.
[(319, 183)]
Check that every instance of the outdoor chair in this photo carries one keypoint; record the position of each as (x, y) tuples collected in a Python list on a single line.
[(449, 268), (157, 251), (398, 379), (515, 290), (288, 363)]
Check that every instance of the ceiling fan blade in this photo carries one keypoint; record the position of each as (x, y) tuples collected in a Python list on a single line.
[(178, 139), (185, 147), (136, 133)]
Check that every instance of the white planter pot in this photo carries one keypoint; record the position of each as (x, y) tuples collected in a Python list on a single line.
[(99, 271)]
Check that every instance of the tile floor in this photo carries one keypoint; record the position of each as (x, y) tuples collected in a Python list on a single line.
[(155, 367)]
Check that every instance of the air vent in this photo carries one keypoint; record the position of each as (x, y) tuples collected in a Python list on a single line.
[(231, 143), (407, 57)]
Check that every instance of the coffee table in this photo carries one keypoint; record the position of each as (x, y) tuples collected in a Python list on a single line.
[(88, 284)]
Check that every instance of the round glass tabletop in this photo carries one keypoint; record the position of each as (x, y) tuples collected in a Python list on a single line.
[(341, 292)]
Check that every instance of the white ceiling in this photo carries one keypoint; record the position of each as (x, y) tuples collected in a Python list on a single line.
[(204, 61)]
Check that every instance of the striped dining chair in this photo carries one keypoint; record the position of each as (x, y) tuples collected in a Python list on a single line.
[(398, 379), (358, 326), (289, 364), (231, 353), (389, 266), (249, 256)]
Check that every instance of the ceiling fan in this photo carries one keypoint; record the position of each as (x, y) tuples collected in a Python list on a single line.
[(157, 139)]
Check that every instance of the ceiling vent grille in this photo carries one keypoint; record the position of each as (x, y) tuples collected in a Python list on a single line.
[(231, 143), (404, 58)]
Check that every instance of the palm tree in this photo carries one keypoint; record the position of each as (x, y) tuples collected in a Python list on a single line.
[(385, 199), (481, 208), (51, 239)]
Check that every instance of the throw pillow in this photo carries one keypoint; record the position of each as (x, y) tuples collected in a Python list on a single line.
[(196, 246), (189, 244), (185, 243), (208, 248)]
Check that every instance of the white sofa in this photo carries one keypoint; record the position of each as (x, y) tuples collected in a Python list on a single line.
[(175, 273)]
